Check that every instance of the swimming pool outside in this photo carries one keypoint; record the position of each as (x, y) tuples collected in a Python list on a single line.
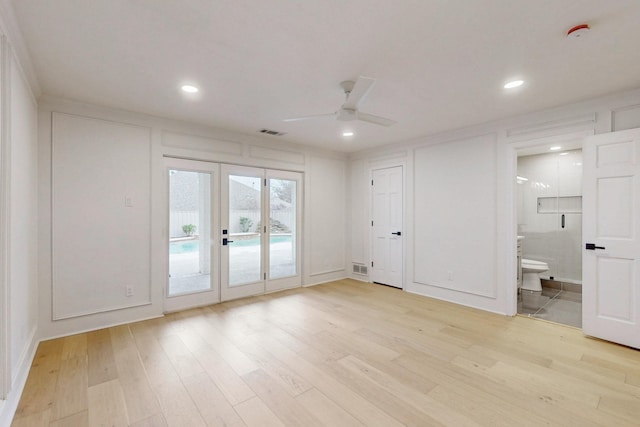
[(186, 246)]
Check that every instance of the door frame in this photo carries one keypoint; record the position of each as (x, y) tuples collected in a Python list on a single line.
[(387, 165), (511, 223), (5, 221), (193, 299)]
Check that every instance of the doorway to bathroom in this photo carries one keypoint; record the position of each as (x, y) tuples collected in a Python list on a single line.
[(549, 218)]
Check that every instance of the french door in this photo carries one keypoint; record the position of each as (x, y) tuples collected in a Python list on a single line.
[(260, 242), (192, 234), (232, 231)]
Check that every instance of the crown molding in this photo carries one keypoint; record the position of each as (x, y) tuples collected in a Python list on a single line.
[(9, 26)]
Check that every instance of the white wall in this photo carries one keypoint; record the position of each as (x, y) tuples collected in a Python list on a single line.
[(461, 198), (97, 156), (20, 175)]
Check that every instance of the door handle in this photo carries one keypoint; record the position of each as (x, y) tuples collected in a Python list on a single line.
[(397, 233), (592, 246), (562, 220), (226, 241)]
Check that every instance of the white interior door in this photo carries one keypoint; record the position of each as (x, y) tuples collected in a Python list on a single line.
[(386, 225), (611, 215), (193, 258)]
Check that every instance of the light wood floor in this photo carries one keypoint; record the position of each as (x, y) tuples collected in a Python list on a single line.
[(340, 354)]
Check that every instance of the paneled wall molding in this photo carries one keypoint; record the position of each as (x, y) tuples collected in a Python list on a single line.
[(48, 104), (100, 170), (278, 155), (627, 117), (454, 246), (551, 126), (200, 143)]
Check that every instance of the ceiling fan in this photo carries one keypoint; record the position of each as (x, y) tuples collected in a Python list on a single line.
[(354, 93)]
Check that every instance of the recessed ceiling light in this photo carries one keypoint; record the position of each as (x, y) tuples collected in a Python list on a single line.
[(513, 84), (563, 154), (347, 133), (556, 148), (521, 178), (189, 89)]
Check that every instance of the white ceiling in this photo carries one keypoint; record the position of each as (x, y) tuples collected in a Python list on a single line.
[(439, 64)]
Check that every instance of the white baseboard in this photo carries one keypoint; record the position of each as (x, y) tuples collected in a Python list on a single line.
[(9, 406)]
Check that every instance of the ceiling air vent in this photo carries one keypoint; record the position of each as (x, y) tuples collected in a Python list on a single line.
[(271, 132)]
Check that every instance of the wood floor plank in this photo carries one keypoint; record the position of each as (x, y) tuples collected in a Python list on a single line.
[(227, 380), (102, 363), (39, 392), (74, 346), (154, 421), (183, 361), (255, 413), (71, 388), (106, 404), (326, 410), (37, 419), (81, 419), (287, 409), (140, 400), (157, 366), (177, 406), (342, 353), (214, 407)]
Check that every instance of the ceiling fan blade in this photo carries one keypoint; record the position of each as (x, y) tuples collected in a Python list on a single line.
[(359, 91), (375, 119), (316, 116)]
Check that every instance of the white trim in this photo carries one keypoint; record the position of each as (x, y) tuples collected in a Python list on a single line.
[(10, 27), (8, 411), (5, 221)]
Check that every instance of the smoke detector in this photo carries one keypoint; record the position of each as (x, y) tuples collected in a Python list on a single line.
[(578, 31)]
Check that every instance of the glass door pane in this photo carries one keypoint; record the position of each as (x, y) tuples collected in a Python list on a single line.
[(192, 263), (242, 226), (284, 219), (189, 237), (282, 228), (245, 251)]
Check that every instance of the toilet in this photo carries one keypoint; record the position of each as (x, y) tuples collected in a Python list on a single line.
[(531, 270)]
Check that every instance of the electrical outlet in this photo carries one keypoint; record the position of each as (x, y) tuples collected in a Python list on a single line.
[(129, 291)]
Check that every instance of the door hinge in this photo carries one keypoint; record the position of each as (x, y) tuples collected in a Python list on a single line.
[(371, 263), (371, 182), (265, 182), (372, 223), (265, 276), (265, 229)]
